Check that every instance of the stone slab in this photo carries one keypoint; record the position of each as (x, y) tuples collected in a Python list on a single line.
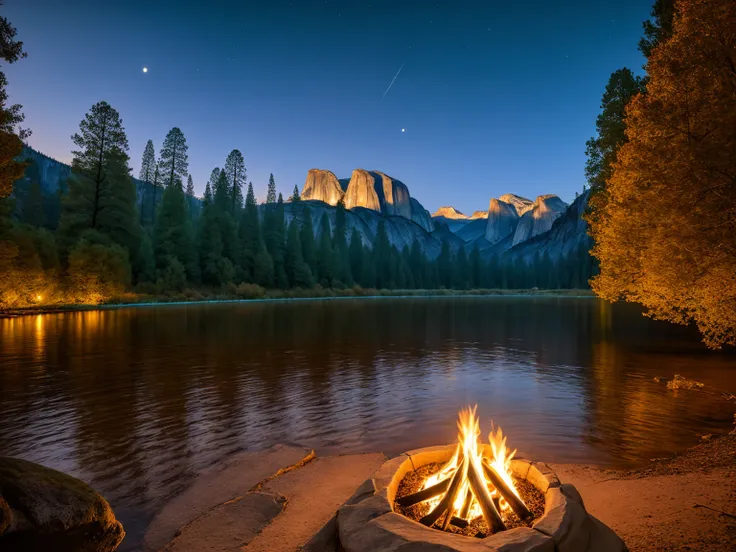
[(233, 478), (229, 526), (314, 493)]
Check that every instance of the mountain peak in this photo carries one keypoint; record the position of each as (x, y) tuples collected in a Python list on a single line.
[(449, 212), (521, 204)]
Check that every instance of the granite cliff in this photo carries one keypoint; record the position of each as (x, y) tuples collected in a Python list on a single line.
[(539, 218), (372, 190), (521, 204), (323, 186), (502, 220), (568, 231)]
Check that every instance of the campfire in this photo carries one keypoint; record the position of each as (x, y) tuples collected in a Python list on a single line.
[(475, 483)]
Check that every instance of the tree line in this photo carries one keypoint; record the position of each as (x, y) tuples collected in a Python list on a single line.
[(164, 240)]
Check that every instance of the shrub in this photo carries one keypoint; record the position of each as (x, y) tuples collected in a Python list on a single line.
[(97, 272), (250, 291), (173, 277)]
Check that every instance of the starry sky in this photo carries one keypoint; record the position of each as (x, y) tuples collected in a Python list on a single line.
[(494, 96)]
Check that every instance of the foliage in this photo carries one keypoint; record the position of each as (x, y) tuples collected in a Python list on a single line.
[(98, 271), (665, 237), (11, 50), (659, 27), (611, 127)]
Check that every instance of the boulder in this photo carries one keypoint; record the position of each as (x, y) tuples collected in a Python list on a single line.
[(502, 220), (50, 510), (547, 208), (323, 186)]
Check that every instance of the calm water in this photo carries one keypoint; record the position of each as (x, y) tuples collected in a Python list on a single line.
[(135, 401)]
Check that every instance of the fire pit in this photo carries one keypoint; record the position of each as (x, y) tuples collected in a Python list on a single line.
[(469, 497)]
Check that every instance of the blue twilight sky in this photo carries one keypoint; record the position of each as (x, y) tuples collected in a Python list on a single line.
[(495, 96)]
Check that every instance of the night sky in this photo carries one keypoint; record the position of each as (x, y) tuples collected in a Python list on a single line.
[(495, 97)]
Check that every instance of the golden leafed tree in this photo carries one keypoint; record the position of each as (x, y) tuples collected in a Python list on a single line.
[(666, 234)]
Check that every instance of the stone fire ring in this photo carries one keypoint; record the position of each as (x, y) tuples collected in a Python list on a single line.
[(368, 523)]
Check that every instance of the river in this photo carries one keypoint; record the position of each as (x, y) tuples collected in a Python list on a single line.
[(135, 401)]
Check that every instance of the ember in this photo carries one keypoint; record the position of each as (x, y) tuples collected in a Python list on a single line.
[(475, 485)]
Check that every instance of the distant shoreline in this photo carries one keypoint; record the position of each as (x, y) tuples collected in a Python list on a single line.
[(280, 296)]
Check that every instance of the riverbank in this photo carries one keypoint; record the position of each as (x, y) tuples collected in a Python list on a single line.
[(686, 502), (279, 499), (252, 293)]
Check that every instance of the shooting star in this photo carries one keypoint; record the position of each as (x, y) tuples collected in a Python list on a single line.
[(392, 81)]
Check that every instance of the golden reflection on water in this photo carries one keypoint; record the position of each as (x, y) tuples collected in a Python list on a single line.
[(135, 401)]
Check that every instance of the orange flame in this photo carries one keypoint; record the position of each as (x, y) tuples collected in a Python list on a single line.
[(469, 448)]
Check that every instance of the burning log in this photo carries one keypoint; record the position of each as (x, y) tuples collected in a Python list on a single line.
[(459, 522), (452, 493), (480, 490), (447, 501), (517, 505), (424, 494), (466, 505)]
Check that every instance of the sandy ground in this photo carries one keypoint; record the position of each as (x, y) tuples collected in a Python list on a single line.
[(277, 499), (684, 503)]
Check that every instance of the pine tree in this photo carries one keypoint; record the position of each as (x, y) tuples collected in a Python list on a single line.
[(11, 142), (297, 270), (325, 266), (476, 267), (250, 236), (274, 236), (416, 264), (173, 233), (341, 257), (355, 255), (663, 14), (154, 189), (460, 270), (295, 196), (271, 195), (368, 268), (174, 159), (444, 266), (306, 237), (382, 257), (191, 199), (101, 193), (148, 169), (33, 206), (207, 199), (235, 172), (210, 243)]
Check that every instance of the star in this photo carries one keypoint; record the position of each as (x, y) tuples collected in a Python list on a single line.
[(403, 130), (145, 69)]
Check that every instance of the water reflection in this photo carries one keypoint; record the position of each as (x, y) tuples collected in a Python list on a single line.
[(136, 401)]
